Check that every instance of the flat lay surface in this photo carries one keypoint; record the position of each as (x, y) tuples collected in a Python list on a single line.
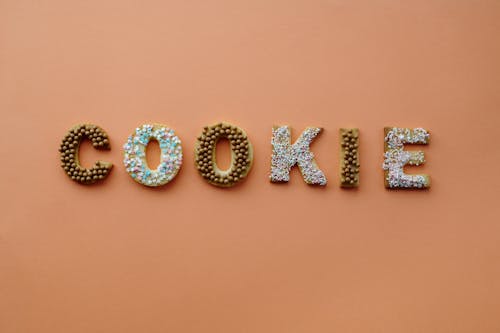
[(259, 257)]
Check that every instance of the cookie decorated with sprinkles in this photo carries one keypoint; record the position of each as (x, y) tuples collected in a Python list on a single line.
[(134, 155), (69, 153), (349, 157), (241, 154), (286, 155), (395, 158)]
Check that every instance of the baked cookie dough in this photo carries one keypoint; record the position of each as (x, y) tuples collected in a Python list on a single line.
[(241, 154), (134, 157), (69, 151), (395, 157), (285, 156), (349, 157)]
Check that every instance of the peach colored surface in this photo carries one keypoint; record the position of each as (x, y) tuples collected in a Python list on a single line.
[(258, 258)]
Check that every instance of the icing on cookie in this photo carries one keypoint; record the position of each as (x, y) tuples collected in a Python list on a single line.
[(349, 157), (395, 157), (241, 154), (134, 157), (285, 156), (69, 150)]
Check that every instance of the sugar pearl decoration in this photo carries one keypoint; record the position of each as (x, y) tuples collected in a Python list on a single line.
[(285, 156), (349, 157), (241, 154), (395, 157), (69, 151), (134, 157)]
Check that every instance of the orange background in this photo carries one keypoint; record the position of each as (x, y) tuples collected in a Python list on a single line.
[(260, 257)]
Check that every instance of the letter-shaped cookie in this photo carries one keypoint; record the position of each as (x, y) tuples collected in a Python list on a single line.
[(395, 157), (69, 150), (285, 156), (241, 154), (349, 157), (134, 157)]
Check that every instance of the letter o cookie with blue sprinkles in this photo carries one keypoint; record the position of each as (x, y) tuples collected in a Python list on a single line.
[(134, 157)]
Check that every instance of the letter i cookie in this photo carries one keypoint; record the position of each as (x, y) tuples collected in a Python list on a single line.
[(349, 157)]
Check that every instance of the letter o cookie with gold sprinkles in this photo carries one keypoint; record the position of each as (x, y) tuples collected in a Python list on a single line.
[(134, 157), (241, 154), (69, 151)]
